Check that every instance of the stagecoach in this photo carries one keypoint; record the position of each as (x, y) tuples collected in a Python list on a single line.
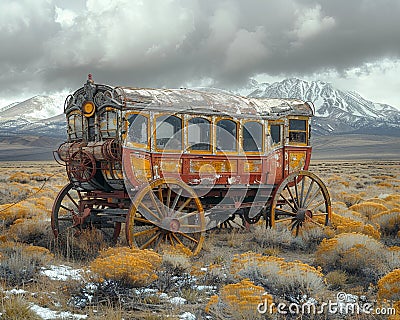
[(171, 164)]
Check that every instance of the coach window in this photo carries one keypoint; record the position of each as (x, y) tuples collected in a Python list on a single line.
[(138, 129), (226, 132), (75, 128), (109, 123), (276, 134), (297, 131), (199, 134), (168, 132), (252, 136)]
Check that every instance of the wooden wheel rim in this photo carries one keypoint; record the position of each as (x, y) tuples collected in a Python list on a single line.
[(302, 205), (75, 197), (58, 204), (157, 234)]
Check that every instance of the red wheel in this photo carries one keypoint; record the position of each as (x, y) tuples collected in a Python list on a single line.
[(114, 149), (81, 166)]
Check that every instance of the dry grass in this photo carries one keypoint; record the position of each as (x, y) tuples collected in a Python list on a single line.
[(17, 308), (357, 189)]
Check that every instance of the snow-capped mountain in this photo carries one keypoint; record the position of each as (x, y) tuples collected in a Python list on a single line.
[(33, 109), (37, 116), (336, 111)]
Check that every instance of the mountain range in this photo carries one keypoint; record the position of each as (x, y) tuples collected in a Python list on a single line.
[(38, 124), (336, 111)]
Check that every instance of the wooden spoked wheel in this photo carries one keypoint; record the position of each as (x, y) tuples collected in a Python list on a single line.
[(68, 214), (167, 211), (301, 198), (65, 207)]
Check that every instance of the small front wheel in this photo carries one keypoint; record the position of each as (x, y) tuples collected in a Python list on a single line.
[(301, 198)]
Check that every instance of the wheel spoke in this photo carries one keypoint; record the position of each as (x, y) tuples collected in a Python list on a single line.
[(66, 208), (64, 218), (302, 191), (320, 214), (144, 232), (160, 197), (297, 229), (308, 192), (168, 197), (139, 219), (72, 200), (291, 195), (285, 212), (149, 211), (316, 223), (150, 241), (315, 194), (184, 204), (188, 215), (153, 199), (189, 237), (297, 193), (175, 200), (317, 205), (287, 201), (177, 239), (284, 219)]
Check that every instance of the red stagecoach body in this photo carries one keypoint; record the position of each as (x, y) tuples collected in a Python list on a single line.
[(171, 163)]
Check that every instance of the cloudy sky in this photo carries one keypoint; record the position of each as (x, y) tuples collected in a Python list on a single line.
[(49, 46)]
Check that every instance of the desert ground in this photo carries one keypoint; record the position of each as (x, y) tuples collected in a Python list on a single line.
[(356, 258)]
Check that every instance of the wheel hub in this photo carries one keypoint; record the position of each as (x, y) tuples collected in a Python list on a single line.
[(171, 224), (303, 214)]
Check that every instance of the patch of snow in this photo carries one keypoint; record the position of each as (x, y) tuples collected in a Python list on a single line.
[(46, 313), (163, 295), (62, 273), (145, 290), (187, 316), (15, 291), (178, 300), (204, 288)]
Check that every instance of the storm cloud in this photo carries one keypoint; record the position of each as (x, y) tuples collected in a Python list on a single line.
[(49, 45)]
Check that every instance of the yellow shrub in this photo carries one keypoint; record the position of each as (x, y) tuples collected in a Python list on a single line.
[(20, 177), (388, 221), (132, 267), (368, 209), (393, 197), (389, 286), (348, 225), (357, 254), (240, 300), (276, 274), (384, 185), (396, 306), (347, 198)]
